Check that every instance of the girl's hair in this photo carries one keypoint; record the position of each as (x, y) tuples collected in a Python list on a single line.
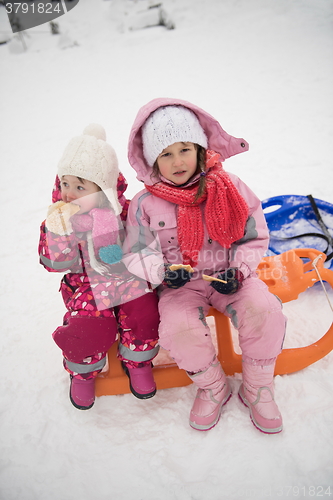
[(84, 180), (201, 168), (155, 171)]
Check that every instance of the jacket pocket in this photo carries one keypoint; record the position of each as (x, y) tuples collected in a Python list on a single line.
[(163, 221), (164, 227)]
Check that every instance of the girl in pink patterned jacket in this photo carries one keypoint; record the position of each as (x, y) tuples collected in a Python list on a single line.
[(195, 215), (82, 235)]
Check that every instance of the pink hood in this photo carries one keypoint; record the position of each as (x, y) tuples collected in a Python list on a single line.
[(218, 139)]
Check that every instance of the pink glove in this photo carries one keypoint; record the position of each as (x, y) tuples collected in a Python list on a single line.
[(82, 223)]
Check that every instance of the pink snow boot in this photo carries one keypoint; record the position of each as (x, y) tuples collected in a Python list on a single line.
[(142, 383), (82, 393), (257, 393), (213, 392)]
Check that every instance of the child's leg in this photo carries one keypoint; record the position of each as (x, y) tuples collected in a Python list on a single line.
[(185, 333), (84, 341), (82, 337), (138, 324), (257, 314)]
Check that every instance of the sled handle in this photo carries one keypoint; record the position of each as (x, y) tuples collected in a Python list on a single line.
[(301, 276)]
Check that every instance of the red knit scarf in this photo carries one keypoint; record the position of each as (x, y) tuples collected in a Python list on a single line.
[(225, 213)]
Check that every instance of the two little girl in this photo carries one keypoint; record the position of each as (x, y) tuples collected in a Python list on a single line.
[(191, 213)]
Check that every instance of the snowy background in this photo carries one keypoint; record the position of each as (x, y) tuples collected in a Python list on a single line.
[(264, 69)]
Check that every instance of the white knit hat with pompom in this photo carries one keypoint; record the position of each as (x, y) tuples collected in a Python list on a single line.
[(90, 157), (167, 125)]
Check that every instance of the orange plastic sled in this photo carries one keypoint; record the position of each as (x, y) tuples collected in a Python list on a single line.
[(286, 275)]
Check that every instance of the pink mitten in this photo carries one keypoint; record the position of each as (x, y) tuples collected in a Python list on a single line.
[(105, 228), (81, 223)]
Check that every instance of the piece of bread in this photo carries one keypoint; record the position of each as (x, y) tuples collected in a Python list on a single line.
[(212, 278), (175, 267), (71, 207), (58, 217)]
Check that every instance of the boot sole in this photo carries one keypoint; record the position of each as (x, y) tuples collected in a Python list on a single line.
[(79, 407), (199, 427), (142, 396), (133, 391), (265, 430)]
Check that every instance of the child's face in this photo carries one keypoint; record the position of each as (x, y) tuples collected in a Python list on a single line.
[(178, 162), (85, 194)]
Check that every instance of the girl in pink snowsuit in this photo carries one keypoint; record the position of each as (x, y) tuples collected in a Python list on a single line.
[(81, 236), (192, 212)]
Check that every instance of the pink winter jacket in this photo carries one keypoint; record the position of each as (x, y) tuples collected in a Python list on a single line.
[(152, 222), (82, 287)]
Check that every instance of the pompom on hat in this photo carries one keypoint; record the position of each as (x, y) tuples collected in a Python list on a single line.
[(90, 157), (167, 125)]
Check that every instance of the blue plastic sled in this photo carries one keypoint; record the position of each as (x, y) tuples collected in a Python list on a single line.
[(293, 223)]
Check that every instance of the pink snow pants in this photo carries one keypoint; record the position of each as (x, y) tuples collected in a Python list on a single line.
[(254, 311)]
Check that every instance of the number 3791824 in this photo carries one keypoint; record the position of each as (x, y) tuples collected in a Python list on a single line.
[(33, 8)]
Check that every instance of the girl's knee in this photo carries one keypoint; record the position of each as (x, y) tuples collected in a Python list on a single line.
[(83, 336), (141, 316), (192, 349)]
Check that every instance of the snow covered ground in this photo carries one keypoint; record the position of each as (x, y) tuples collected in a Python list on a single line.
[(264, 69)]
